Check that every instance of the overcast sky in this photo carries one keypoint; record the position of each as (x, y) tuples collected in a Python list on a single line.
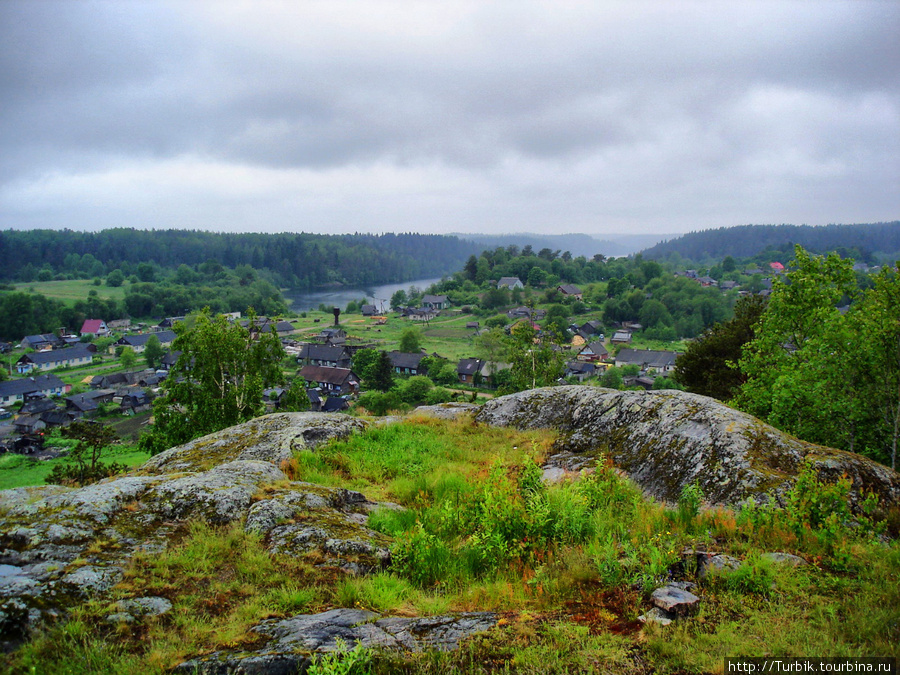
[(599, 117)]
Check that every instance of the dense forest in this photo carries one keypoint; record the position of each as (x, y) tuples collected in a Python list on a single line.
[(298, 261), (751, 240)]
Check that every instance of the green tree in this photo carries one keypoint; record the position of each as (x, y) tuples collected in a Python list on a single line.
[(796, 378), (410, 341), (709, 365), (83, 461), (398, 299), (364, 363), (217, 382), (153, 352), (115, 278), (415, 390), (534, 362), (295, 398), (382, 377), (128, 358)]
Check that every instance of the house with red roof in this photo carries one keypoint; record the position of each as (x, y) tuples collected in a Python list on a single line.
[(95, 327), (777, 267)]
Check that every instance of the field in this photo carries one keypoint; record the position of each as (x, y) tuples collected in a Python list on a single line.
[(71, 291)]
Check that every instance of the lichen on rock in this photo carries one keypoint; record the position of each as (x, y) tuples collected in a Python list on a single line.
[(666, 440)]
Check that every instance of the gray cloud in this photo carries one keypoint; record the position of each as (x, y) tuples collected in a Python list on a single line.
[(651, 116)]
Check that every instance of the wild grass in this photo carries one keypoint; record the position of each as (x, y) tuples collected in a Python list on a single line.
[(568, 567)]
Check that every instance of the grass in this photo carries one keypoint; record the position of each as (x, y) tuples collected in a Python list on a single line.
[(73, 290), (569, 568)]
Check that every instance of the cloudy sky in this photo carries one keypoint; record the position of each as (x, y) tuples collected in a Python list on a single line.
[(600, 117)]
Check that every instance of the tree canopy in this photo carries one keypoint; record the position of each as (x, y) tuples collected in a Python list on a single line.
[(218, 380)]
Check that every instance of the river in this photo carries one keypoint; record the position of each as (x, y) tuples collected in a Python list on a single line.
[(302, 301)]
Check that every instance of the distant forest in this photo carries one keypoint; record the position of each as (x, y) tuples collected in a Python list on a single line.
[(751, 240), (298, 261)]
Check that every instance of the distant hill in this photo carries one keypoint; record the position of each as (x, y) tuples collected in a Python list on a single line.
[(745, 241), (576, 244)]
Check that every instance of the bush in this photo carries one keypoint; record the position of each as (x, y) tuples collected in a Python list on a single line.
[(381, 402)]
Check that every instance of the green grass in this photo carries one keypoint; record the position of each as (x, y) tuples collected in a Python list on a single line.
[(21, 470), (73, 290), (569, 568)]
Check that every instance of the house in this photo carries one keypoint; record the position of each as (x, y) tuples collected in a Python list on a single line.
[(94, 327), (113, 380), (591, 328), (331, 380), (660, 360), (368, 310), (706, 282), (88, 403), (621, 337), (437, 302), (469, 370), (168, 360), (56, 358), (592, 352), (29, 424), (169, 322), (324, 355), (31, 387), (55, 418), (777, 267), (136, 401), (333, 335), (407, 364), (41, 342), (472, 325), (728, 285), (5, 347), (36, 406), (510, 283), (580, 370), (570, 290), (119, 324), (139, 342)]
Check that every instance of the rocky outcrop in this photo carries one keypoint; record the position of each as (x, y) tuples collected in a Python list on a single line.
[(61, 545), (665, 440), (293, 643)]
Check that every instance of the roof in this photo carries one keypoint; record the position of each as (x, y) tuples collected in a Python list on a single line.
[(164, 336), (368, 310), (649, 358), (57, 355), (28, 385), (469, 366), (580, 367), (404, 360), (316, 352), (37, 339), (335, 404), (569, 289), (595, 347), (327, 374), (93, 326), (509, 282), (433, 299)]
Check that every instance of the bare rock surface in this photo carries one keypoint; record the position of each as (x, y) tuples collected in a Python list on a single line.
[(59, 546), (448, 411), (293, 643), (665, 440)]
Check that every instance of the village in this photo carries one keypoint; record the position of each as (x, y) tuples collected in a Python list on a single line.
[(113, 370)]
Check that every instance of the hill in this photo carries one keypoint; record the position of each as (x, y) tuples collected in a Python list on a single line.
[(745, 241), (576, 244)]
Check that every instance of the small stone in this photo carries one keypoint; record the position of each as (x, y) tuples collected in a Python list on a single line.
[(779, 558), (718, 563), (675, 600), (657, 615)]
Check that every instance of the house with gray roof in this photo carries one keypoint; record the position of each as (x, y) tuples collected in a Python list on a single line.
[(55, 358), (12, 391)]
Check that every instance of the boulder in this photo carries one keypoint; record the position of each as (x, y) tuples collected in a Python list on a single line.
[(59, 546), (294, 642), (675, 600), (666, 440)]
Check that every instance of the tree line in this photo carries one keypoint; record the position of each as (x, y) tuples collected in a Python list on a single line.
[(301, 261)]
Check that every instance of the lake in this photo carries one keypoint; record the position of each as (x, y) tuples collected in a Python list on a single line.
[(302, 301)]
